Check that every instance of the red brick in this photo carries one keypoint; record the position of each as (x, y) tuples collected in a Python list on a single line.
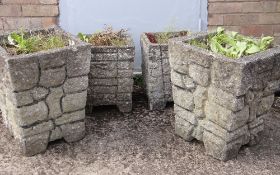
[(278, 7), (276, 28), (262, 6), (215, 19), (251, 7), (1, 24), (39, 10), (10, 10), (232, 28), (231, 7), (240, 19), (20, 1), (24, 22), (269, 18), (48, 1), (257, 30), (30, 2), (49, 21)]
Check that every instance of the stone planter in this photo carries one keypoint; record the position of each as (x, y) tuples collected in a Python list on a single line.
[(221, 101), (156, 73), (111, 77), (43, 95)]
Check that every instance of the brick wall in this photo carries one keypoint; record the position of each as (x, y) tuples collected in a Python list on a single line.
[(253, 17), (15, 14)]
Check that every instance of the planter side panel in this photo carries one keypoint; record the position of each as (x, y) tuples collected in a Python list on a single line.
[(111, 78), (156, 73)]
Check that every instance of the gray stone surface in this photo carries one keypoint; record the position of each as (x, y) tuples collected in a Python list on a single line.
[(33, 130), (32, 89), (78, 62), (54, 102), (72, 85), (229, 99), (39, 93), (29, 115), (56, 134), (22, 98), (24, 73), (74, 102), (111, 76), (52, 77), (35, 144), (156, 73), (70, 117), (73, 132)]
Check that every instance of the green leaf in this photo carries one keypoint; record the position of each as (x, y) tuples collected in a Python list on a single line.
[(83, 37), (234, 34), (242, 46), (220, 30), (253, 49)]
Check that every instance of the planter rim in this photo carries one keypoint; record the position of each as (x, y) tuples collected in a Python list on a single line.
[(56, 29), (144, 36), (275, 50)]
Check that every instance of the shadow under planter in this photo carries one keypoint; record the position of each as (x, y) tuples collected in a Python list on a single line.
[(43, 94), (221, 101), (111, 77), (156, 71)]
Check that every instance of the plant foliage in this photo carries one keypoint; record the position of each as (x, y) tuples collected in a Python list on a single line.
[(232, 44), (107, 37), (20, 43)]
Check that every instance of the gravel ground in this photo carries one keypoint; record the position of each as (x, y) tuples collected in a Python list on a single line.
[(142, 142)]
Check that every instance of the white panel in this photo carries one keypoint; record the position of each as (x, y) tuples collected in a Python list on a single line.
[(137, 15)]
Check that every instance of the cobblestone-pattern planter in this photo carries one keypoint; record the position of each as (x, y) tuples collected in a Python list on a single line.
[(156, 73), (221, 101), (43, 95), (111, 77)]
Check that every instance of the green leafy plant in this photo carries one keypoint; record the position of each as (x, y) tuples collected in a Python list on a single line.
[(20, 43), (83, 37), (232, 44), (107, 37)]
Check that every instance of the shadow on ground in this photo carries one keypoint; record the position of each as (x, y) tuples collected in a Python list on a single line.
[(142, 142)]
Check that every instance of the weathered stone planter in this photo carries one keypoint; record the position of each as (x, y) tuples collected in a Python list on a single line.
[(111, 77), (221, 101), (43, 95), (156, 73)]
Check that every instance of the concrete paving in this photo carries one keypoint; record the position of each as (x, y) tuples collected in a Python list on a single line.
[(142, 142)]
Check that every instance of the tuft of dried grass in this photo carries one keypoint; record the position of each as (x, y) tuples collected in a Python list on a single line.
[(109, 37)]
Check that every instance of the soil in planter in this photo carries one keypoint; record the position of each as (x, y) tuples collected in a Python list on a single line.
[(232, 44), (107, 37), (25, 43), (162, 38)]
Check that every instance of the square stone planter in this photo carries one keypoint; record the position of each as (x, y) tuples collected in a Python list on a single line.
[(156, 72), (111, 77), (43, 95), (221, 101)]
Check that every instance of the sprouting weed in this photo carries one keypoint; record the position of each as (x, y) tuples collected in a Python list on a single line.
[(21, 43), (232, 44)]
